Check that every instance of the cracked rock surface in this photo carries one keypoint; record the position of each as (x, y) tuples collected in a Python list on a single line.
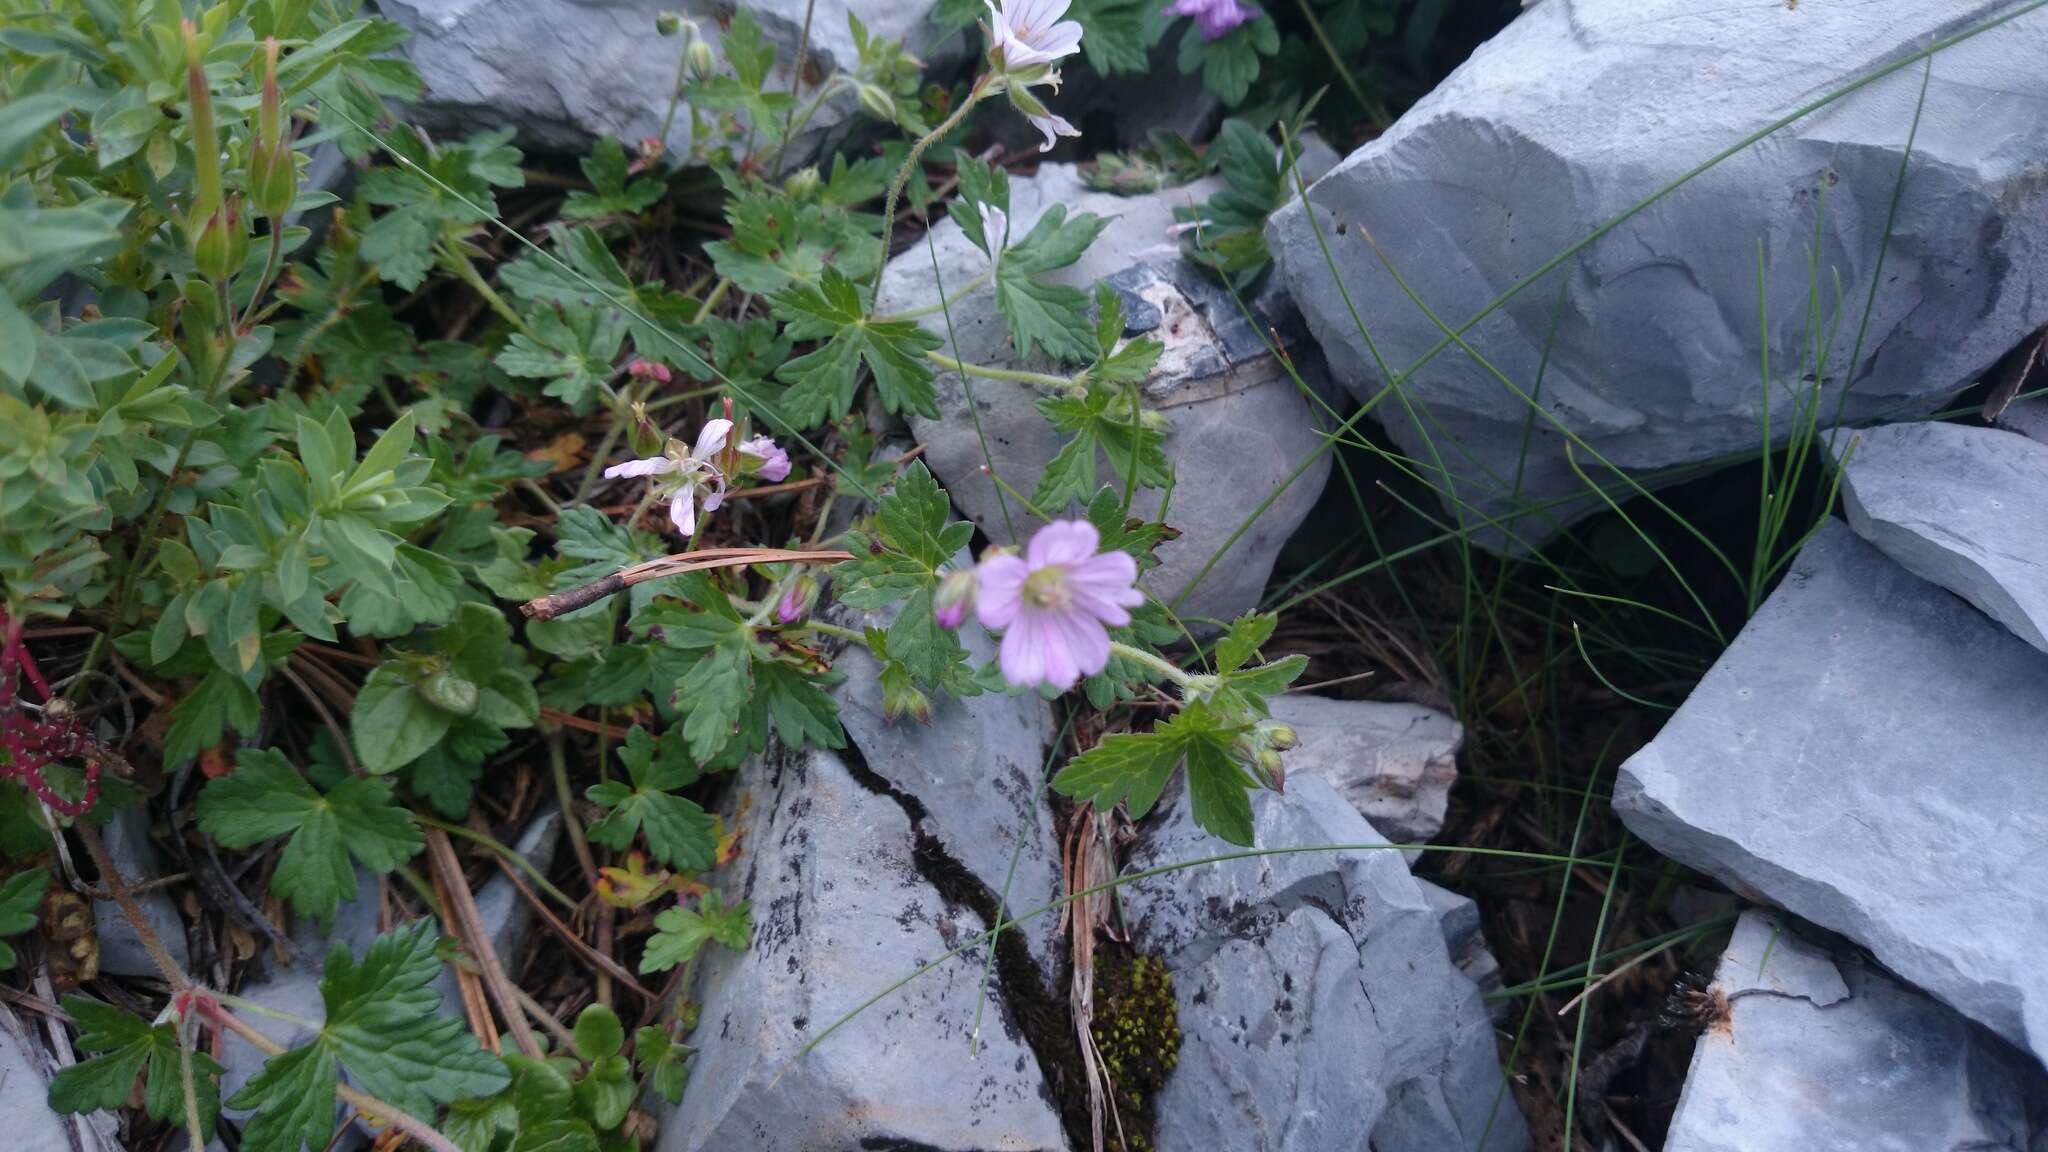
[(1963, 507), (1868, 755), (1394, 761), (975, 772), (566, 71), (1577, 112), (842, 906), (1825, 1053), (1238, 424), (1319, 1005)]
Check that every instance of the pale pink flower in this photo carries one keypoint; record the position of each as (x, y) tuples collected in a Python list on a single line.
[(688, 473), (1056, 604), (1030, 33), (954, 599), (1051, 127), (995, 233), (774, 462), (1213, 17)]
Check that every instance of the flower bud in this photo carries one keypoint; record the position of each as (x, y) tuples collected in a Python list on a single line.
[(797, 601), (955, 598), (645, 436), (273, 182), (649, 370), (802, 183), (1271, 767), (876, 102), (1278, 736), (668, 23), (206, 193), (698, 60), (222, 243)]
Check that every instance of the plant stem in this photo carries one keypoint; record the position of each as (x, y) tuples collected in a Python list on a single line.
[(458, 262), (796, 80), (1159, 664), (111, 877), (974, 96), (558, 766), (270, 264), (835, 630), (502, 849), (1014, 375), (931, 309)]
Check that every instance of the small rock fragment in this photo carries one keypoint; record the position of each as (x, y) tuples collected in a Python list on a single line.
[(1394, 761), (1819, 1053), (121, 952), (1964, 507)]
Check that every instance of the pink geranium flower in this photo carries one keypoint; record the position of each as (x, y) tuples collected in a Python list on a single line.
[(772, 462), (685, 474), (1213, 17), (1056, 604)]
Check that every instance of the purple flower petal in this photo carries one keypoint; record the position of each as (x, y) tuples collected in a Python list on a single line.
[(1064, 542), (1002, 589)]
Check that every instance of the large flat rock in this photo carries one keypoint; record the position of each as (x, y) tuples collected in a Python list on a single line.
[(1964, 507), (566, 71), (841, 910), (1824, 1053), (1238, 425), (1319, 1005), (1869, 755), (1578, 111)]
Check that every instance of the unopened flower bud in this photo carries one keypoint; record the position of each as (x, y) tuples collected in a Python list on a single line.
[(797, 601), (648, 370), (955, 598), (802, 183), (876, 102), (699, 61), (1278, 736), (1152, 421), (1271, 767), (222, 243), (668, 23), (272, 181), (647, 437)]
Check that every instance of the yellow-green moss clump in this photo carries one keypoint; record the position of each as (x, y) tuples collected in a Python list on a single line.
[(1137, 1031)]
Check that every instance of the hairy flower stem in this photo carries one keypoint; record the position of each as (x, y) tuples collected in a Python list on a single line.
[(974, 95), (270, 266), (558, 766), (1188, 681), (456, 261), (111, 877), (1013, 375)]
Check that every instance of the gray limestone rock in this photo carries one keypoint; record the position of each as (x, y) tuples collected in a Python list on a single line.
[(1580, 110), (566, 71), (1821, 1053), (1867, 755), (1238, 425), (121, 950), (1395, 762), (24, 1088), (2028, 417), (1458, 916), (1319, 1005), (977, 773), (840, 910), (1964, 507)]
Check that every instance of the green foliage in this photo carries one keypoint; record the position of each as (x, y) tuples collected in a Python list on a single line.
[(681, 932), (679, 832), (614, 190), (1230, 63), (1105, 417), (127, 1047), (823, 382), (385, 1027), (1232, 235), (20, 895), (467, 672), (357, 819), (1041, 314)]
